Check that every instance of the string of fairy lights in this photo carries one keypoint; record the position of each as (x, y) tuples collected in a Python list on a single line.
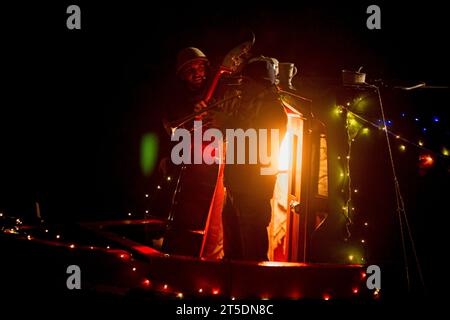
[(138, 278), (356, 124), (138, 274), (353, 129), (351, 116)]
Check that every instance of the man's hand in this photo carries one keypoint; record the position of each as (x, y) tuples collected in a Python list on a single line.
[(198, 107)]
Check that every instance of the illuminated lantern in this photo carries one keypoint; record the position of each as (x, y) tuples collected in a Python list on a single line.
[(301, 190)]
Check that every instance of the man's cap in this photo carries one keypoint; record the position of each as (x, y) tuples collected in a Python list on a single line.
[(188, 55)]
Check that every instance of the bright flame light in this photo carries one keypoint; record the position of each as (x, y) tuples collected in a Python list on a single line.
[(283, 163)]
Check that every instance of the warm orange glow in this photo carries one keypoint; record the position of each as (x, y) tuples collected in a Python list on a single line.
[(426, 161), (216, 291), (326, 297), (376, 293), (295, 295), (284, 156), (147, 282), (124, 256)]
